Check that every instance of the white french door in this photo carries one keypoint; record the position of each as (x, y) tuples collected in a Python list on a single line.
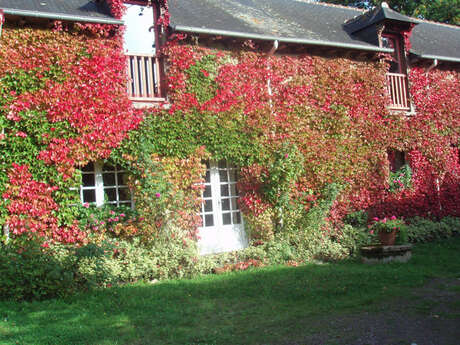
[(223, 228)]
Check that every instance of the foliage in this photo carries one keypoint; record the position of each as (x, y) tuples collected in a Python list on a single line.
[(400, 179), (387, 224), (281, 177), (63, 104), (29, 272), (97, 222), (189, 312), (357, 219), (322, 123), (310, 233), (425, 230)]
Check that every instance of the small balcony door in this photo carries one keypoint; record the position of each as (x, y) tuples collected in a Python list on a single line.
[(223, 228), (397, 74)]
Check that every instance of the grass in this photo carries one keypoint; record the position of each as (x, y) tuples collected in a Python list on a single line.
[(261, 306)]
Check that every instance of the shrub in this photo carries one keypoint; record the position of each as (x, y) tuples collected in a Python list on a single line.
[(29, 271), (309, 232), (424, 230), (357, 219)]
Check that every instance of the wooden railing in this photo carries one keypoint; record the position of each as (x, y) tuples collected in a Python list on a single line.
[(144, 82), (397, 89)]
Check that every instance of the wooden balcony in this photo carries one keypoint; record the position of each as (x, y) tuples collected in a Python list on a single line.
[(398, 91), (144, 84)]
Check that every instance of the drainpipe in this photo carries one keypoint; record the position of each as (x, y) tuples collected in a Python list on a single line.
[(433, 65), (270, 53), (438, 190), (6, 233)]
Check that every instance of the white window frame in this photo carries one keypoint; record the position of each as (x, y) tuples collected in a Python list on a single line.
[(100, 188)]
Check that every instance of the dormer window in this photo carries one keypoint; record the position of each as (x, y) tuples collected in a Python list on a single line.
[(397, 73), (140, 45)]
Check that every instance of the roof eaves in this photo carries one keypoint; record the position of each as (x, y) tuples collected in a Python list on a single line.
[(437, 57), (198, 30), (62, 16)]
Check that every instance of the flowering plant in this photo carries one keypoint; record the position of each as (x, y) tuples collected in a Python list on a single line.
[(107, 220), (386, 225)]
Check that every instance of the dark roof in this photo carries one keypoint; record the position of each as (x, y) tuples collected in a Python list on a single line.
[(434, 40), (74, 10), (286, 20), (375, 16), (303, 22)]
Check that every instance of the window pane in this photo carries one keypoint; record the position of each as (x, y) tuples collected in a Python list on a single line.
[(122, 179), (225, 204), (224, 190), (207, 192), (89, 195), (111, 194), (88, 180), (209, 220), (109, 179), (233, 190), (234, 204), (232, 174), (108, 167), (236, 218), (227, 218), (208, 176), (222, 164), (124, 194), (223, 176), (208, 206), (88, 167)]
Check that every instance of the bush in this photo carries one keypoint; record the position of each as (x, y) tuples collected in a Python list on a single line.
[(357, 219), (425, 230), (309, 233), (29, 271)]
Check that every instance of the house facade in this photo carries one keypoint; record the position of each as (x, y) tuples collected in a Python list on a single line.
[(247, 107)]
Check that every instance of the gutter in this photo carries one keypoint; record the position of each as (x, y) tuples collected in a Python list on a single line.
[(62, 16), (437, 57), (197, 30)]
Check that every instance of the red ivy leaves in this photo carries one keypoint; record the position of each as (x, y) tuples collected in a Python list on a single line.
[(32, 208), (335, 110)]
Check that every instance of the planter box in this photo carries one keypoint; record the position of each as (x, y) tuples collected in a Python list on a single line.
[(384, 254)]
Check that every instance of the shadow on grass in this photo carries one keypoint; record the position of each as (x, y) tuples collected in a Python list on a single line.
[(260, 306)]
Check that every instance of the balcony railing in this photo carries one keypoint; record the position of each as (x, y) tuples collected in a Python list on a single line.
[(397, 89), (144, 82)]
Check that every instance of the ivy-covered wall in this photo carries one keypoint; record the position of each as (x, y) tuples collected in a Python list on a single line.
[(321, 121), (63, 103), (294, 124)]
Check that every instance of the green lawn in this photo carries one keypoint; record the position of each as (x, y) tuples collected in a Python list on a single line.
[(261, 306)]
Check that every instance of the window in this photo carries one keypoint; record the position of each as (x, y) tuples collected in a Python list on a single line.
[(397, 73), (397, 160), (140, 44), (104, 183)]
